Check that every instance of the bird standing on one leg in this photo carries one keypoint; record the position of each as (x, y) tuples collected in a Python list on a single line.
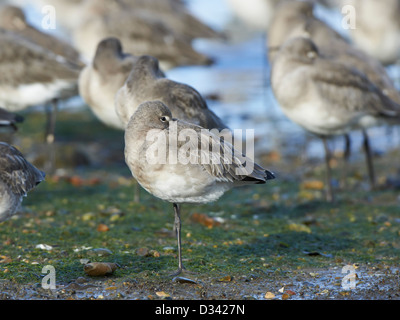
[(327, 97), (173, 169)]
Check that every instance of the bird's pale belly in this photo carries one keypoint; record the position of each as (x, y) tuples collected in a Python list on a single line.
[(317, 120), (169, 185)]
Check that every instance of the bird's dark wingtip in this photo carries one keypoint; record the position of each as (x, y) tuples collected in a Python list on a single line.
[(269, 175)]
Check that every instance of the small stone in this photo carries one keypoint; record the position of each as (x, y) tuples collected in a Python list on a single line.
[(44, 247), (5, 259), (183, 280), (225, 279), (144, 252), (269, 295), (286, 296), (80, 280), (96, 269), (102, 227), (154, 253), (163, 295), (88, 216)]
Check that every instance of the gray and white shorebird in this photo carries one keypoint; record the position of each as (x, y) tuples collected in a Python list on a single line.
[(139, 34), (326, 97), (17, 178), (31, 75), (145, 84), (198, 171), (175, 15), (13, 18), (100, 80), (296, 19), (172, 13)]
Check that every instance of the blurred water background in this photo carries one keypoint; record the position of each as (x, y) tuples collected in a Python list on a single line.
[(237, 86)]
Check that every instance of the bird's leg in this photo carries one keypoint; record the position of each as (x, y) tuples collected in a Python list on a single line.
[(177, 227), (368, 157), (347, 148), (329, 191), (136, 196), (51, 112), (346, 157)]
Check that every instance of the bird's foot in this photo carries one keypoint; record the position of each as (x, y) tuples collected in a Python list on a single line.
[(182, 271)]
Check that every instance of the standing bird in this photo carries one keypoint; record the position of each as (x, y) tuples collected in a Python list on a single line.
[(100, 80), (17, 178), (206, 168), (296, 19), (145, 83), (31, 75), (327, 97), (13, 19)]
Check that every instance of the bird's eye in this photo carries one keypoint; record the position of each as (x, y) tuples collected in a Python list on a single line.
[(164, 119)]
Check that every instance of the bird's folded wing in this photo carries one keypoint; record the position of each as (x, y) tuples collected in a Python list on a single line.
[(219, 158), (352, 90), (16, 172), (24, 62)]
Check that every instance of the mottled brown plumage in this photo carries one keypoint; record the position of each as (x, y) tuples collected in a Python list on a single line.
[(17, 178)]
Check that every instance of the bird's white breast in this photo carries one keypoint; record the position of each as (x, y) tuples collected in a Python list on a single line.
[(22, 96)]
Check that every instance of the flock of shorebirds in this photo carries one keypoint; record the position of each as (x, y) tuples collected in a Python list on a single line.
[(118, 60)]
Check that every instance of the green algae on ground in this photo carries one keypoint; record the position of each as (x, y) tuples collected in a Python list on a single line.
[(263, 230)]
